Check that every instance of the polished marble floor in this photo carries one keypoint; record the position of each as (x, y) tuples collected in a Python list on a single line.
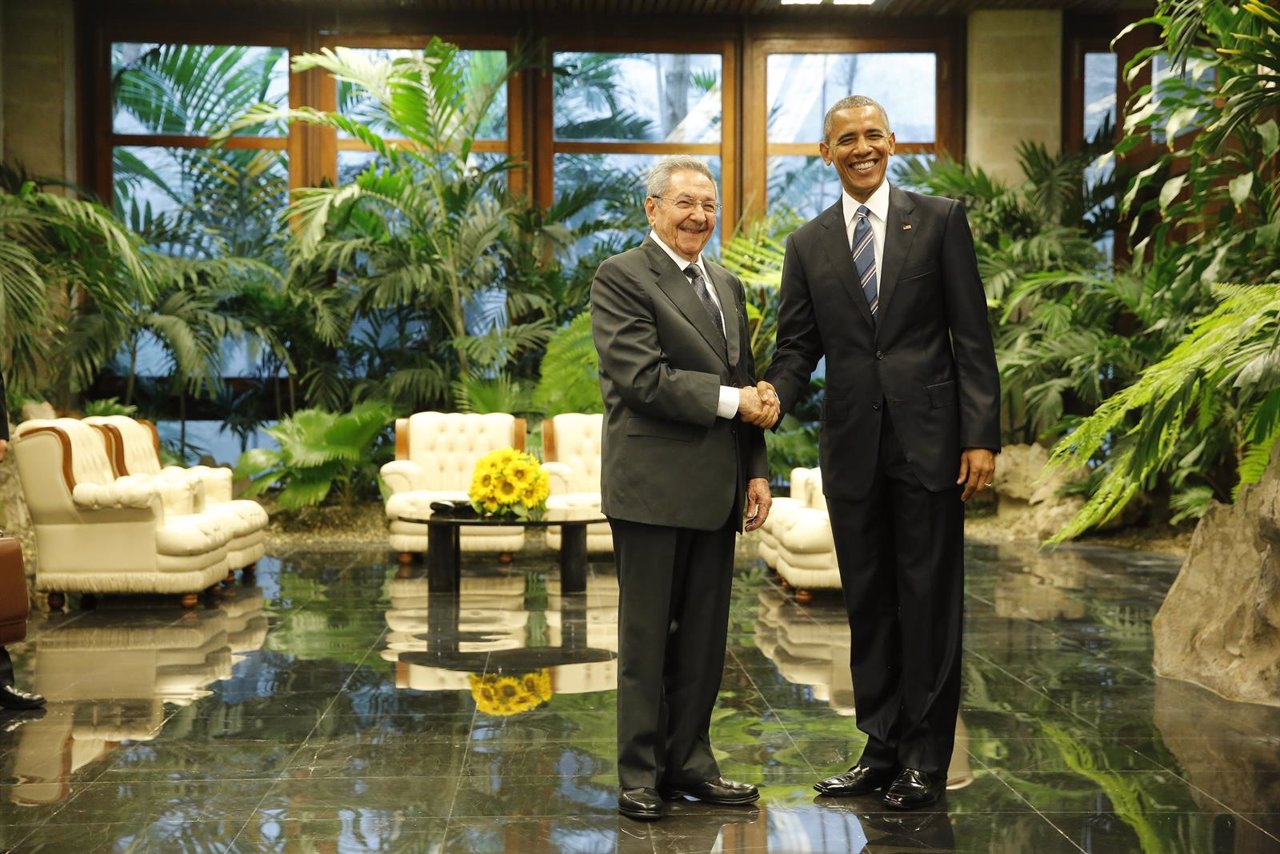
[(332, 704)]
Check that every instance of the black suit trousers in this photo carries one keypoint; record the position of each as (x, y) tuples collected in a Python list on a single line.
[(901, 559), (673, 613)]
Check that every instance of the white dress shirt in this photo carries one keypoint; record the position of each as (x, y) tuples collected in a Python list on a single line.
[(878, 205), (730, 397)]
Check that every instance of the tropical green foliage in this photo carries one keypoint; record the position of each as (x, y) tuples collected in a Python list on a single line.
[(57, 255), (1204, 417), (320, 450), (570, 380), (407, 269)]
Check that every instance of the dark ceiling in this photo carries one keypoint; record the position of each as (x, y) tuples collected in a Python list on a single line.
[(632, 8)]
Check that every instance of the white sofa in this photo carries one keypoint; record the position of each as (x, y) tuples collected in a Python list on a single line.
[(436, 456), (98, 533), (134, 449), (796, 539), (571, 458)]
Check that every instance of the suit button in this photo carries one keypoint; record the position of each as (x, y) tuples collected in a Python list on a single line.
[(879, 354), (876, 406)]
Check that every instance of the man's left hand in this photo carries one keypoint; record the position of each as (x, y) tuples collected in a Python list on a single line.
[(977, 468), (4, 448), (758, 502)]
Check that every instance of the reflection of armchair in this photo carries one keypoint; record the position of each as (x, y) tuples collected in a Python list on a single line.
[(134, 448), (810, 647), (801, 537), (436, 456), (108, 676), (96, 533), (571, 450)]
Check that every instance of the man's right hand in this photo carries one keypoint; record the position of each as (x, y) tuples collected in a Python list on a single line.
[(754, 410), (4, 448)]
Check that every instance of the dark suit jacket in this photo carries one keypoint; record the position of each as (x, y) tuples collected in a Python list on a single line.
[(931, 362), (667, 459)]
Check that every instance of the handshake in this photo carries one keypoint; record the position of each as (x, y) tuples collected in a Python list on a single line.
[(759, 405)]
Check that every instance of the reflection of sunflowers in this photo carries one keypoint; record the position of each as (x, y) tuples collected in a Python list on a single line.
[(509, 483), (499, 695)]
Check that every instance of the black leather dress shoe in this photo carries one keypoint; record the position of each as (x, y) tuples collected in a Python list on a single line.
[(858, 780), (914, 788), (15, 698), (719, 791), (640, 804)]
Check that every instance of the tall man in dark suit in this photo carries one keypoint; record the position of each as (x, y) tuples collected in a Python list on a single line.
[(885, 285), (683, 462), (10, 697)]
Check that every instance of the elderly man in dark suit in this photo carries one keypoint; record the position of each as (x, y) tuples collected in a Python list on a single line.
[(10, 697), (885, 285), (683, 462)]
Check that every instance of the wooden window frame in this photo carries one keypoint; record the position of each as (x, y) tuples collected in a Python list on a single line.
[(101, 131), (547, 146), (948, 89), (325, 92)]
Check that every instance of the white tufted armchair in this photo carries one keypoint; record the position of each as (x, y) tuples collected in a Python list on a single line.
[(436, 455), (134, 449), (98, 533), (571, 449), (798, 541)]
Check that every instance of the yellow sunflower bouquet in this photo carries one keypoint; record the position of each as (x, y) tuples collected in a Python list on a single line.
[(501, 694), (509, 484)]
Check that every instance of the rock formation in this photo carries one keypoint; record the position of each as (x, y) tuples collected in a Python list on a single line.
[(1219, 626)]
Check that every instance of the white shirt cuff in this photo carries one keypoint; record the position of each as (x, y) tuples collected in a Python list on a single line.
[(730, 398)]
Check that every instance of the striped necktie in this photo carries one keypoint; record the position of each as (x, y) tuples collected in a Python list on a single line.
[(864, 258)]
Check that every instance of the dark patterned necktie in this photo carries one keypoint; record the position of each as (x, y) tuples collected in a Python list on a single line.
[(864, 258), (700, 288)]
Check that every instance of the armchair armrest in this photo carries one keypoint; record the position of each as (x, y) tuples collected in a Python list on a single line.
[(403, 476), (560, 475), (133, 491)]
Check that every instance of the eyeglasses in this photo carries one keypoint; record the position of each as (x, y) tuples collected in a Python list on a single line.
[(685, 205)]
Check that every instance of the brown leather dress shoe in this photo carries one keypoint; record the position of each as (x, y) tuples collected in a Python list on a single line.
[(914, 788), (858, 780), (640, 804), (719, 791)]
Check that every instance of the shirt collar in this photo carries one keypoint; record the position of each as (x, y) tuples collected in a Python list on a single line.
[(878, 204), (682, 263)]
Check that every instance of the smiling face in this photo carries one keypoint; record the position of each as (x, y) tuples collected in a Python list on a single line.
[(686, 232), (860, 145)]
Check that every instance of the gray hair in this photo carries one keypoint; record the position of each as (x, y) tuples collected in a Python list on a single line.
[(659, 177), (850, 103)]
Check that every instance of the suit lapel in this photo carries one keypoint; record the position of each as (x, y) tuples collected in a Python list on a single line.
[(675, 284), (899, 234), (729, 310), (835, 240)]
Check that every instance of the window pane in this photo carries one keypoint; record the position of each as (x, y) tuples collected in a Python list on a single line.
[(649, 97), (482, 69), (1099, 92), (624, 221), (803, 85), (204, 203), (804, 186), (194, 89)]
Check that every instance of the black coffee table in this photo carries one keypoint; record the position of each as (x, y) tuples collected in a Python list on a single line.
[(444, 550)]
